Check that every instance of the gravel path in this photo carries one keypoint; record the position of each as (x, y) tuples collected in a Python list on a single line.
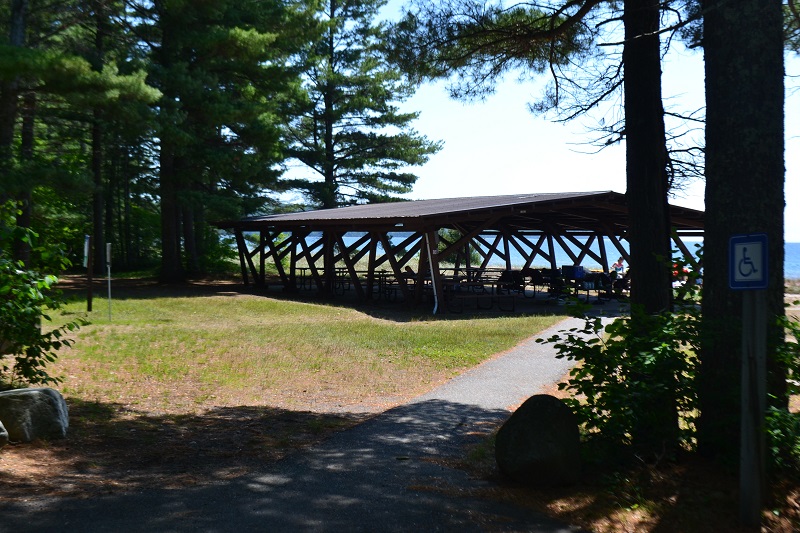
[(386, 474)]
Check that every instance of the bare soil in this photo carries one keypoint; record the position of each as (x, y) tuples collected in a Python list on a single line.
[(112, 449)]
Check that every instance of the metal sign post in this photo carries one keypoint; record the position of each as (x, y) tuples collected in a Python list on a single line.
[(88, 263), (748, 268), (108, 265)]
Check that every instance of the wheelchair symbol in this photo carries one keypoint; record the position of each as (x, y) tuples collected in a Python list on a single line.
[(746, 266)]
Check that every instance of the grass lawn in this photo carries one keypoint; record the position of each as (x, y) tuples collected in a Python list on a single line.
[(200, 383), (183, 354)]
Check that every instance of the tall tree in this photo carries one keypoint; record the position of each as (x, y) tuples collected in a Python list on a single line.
[(222, 69), (53, 89), (9, 106), (743, 45), (649, 224), (350, 133)]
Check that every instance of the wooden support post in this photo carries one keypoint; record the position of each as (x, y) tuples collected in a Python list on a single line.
[(242, 248), (262, 259), (432, 246), (552, 250), (603, 253)]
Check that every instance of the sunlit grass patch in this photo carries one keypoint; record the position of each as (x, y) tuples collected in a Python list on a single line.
[(183, 352)]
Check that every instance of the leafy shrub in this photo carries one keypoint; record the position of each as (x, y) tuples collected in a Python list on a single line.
[(627, 364), (782, 426), (26, 296), (783, 440), (631, 364)]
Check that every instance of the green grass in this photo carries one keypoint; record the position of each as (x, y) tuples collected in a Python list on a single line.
[(247, 348)]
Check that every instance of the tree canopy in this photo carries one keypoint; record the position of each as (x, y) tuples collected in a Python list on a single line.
[(141, 122), (348, 130)]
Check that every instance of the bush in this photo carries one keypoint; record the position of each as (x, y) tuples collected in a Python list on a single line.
[(633, 362), (636, 375), (783, 427), (26, 296)]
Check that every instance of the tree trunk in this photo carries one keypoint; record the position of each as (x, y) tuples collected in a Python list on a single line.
[(646, 158), (744, 194), (649, 228), (170, 165), (330, 190), (98, 193), (189, 241), (22, 249), (171, 266), (98, 196), (126, 231), (9, 90)]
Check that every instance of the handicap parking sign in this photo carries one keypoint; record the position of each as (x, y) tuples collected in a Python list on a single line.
[(748, 262)]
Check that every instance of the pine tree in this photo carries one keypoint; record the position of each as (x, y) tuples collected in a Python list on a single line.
[(51, 88), (350, 134), (743, 45), (222, 69)]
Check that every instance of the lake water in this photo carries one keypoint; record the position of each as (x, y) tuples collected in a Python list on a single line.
[(791, 259), (791, 264)]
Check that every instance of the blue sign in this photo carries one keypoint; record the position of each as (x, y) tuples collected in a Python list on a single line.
[(748, 262)]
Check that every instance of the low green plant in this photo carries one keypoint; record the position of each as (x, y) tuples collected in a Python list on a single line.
[(629, 364), (625, 365), (26, 298), (783, 426)]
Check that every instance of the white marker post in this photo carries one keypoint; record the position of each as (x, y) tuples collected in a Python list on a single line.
[(748, 269), (89, 264), (108, 265)]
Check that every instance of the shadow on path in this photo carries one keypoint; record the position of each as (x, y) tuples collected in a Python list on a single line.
[(377, 476)]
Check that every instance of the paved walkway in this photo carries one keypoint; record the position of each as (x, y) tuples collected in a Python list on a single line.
[(378, 476)]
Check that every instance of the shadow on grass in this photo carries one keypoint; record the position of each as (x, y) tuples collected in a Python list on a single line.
[(385, 474), (110, 448), (393, 310)]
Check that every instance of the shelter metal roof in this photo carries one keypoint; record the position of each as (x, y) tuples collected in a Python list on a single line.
[(604, 211)]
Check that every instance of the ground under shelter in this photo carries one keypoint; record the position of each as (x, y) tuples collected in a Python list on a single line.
[(490, 248)]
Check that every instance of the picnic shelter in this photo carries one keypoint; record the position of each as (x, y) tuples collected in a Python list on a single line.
[(425, 250)]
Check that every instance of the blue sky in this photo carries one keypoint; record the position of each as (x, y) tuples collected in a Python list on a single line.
[(498, 147)]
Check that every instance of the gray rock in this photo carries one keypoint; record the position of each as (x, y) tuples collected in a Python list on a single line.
[(3, 435), (539, 445), (28, 414)]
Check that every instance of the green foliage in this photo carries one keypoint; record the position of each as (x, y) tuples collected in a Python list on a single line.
[(626, 364), (783, 440), (791, 26), (74, 77), (220, 256), (349, 134), (633, 362), (782, 426), (474, 44), (26, 298), (448, 237), (789, 353)]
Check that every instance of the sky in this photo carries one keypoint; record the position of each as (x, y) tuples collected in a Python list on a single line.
[(498, 147)]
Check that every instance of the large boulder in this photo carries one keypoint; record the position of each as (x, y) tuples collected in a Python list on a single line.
[(28, 414), (539, 445)]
